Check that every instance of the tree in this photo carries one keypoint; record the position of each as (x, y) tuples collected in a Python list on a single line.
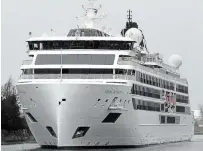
[(10, 114)]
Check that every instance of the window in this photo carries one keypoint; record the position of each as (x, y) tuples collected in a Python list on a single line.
[(162, 107), (93, 59), (47, 71), (80, 44), (145, 91), (111, 118), (80, 132), (171, 120), (27, 71), (34, 45), (31, 117), (182, 89), (134, 103), (187, 110), (177, 120), (70, 59), (87, 71), (44, 59), (162, 119), (182, 99), (180, 109), (51, 131), (145, 105)]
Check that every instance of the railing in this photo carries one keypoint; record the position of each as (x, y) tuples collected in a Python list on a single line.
[(130, 61), (40, 76), (77, 76), (27, 62)]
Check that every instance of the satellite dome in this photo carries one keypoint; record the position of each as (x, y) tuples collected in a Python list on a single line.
[(135, 34), (175, 61)]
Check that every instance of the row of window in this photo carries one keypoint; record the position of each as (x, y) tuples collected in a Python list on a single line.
[(182, 89), (182, 99), (93, 59), (68, 71), (169, 119), (159, 107), (183, 109), (145, 105), (151, 80), (145, 91), (79, 44)]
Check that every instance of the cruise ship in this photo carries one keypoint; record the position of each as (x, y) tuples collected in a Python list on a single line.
[(89, 88)]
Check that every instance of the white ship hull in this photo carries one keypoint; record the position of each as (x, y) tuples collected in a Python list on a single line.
[(82, 109)]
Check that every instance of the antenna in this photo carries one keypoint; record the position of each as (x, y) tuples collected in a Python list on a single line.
[(30, 34), (129, 16)]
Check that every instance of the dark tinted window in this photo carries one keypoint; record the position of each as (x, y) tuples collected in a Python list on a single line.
[(145, 105), (162, 107), (111, 118), (145, 91), (27, 71), (44, 59), (78, 44), (91, 59), (87, 71), (182, 99), (162, 119), (170, 120), (47, 71), (180, 109), (182, 89)]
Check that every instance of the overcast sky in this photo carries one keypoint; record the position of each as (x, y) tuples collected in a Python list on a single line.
[(170, 27)]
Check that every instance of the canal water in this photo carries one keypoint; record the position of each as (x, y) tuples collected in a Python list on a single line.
[(195, 145)]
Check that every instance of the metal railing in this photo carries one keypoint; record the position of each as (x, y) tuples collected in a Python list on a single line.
[(27, 62), (130, 61), (77, 76)]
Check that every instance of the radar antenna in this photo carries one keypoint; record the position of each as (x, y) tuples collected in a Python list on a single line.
[(91, 15), (129, 16)]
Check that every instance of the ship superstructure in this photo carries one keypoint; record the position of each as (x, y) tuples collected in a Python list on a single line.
[(92, 89)]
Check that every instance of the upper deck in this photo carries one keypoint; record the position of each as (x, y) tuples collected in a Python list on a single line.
[(80, 42)]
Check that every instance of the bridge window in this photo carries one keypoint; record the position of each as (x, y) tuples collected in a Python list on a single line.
[(34, 45), (80, 44)]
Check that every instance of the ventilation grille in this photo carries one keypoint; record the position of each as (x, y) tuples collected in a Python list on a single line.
[(111, 118), (31, 117), (80, 132), (50, 129)]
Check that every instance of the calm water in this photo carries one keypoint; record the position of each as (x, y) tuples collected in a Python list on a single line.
[(195, 145)]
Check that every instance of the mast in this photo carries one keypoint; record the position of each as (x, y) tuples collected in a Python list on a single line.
[(129, 16)]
